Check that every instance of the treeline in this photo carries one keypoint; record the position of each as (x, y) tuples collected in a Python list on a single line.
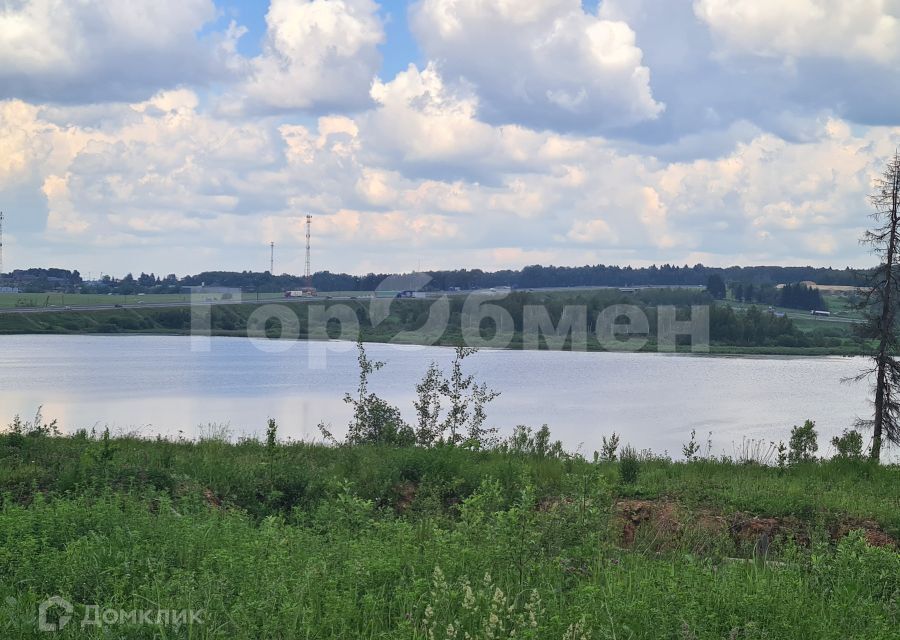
[(409, 320), (799, 296), (792, 296), (40, 280), (535, 276)]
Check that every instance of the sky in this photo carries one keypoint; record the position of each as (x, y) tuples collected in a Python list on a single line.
[(177, 136)]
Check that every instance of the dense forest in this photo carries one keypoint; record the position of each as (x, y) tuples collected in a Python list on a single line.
[(534, 276), (792, 296)]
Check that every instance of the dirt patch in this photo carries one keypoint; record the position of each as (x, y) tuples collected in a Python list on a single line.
[(211, 499), (875, 535), (747, 529), (662, 516), (712, 524), (667, 520), (406, 494)]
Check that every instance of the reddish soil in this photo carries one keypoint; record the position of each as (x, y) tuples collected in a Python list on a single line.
[(668, 520)]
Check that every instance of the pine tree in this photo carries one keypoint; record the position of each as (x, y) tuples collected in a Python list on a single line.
[(879, 305)]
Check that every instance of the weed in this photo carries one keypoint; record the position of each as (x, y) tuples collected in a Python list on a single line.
[(692, 448)]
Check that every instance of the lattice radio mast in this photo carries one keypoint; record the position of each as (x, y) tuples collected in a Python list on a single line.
[(272, 258), (1, 243), (308, 273)]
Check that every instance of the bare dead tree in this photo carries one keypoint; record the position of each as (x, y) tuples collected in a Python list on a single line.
[(879, 306)]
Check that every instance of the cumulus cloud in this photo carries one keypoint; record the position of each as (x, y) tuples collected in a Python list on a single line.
[(71, 52), (429, 128), (857, 29), (206, 187), (452, 161), (545, 64), (318, 55), (719, 93)]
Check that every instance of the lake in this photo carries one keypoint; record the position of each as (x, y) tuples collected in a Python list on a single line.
[(158, 384)]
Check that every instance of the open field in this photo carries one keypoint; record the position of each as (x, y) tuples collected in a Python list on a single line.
[(736, 330), (298, 540), (62, 300)]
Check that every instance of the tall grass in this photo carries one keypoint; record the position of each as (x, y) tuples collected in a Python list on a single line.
[(275, 540)]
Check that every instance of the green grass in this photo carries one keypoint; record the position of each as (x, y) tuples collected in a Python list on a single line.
[(305, 541), (410, 316), (12, 300), (61, 300)]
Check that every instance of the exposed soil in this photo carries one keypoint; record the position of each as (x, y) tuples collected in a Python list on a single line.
[(667, 519)]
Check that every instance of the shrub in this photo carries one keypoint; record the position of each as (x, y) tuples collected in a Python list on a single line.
[(849, 445), (803, 443), (629, 466), (782, 455), (609, 447), (692, 448), (271, 434)]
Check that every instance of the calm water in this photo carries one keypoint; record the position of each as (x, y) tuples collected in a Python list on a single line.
[(157, 384)]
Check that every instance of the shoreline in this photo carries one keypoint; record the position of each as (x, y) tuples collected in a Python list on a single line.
[(714, 350)]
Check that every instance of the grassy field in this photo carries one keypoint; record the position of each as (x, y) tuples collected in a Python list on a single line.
[(408, 321), (61, 300), (293, 540), (38, 300)]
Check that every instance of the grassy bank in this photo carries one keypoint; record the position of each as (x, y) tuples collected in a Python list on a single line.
[(737, 331), (294, 540)]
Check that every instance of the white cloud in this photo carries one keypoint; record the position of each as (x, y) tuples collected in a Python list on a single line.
[(428, 128), (190, 189), (70, 52), (545, 64), (318, 55), (856, 29), (20, 148)]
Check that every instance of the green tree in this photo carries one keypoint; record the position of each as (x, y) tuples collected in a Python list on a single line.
[(748, 293), (467, 400), (716, 286), (803, 443), (428, 406), (374, 420)]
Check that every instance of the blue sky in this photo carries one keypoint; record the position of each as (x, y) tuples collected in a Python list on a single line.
[(398, 51), (148, 135)]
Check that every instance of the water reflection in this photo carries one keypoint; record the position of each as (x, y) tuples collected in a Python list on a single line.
[(156, 384)]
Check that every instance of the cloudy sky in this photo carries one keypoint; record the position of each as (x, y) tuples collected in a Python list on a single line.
[(184, 135)]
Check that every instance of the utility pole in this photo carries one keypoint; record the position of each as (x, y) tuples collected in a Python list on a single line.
[(272, 258)]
